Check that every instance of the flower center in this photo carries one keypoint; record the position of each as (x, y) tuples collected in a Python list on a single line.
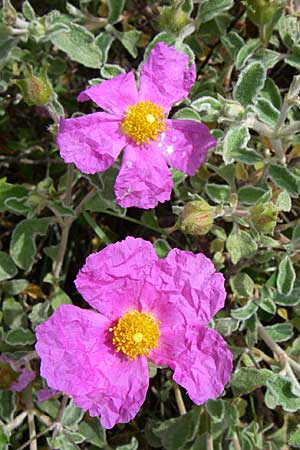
[(135, 334), (144, 121)]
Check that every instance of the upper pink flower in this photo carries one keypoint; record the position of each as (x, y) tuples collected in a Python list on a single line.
[(147, 308), (136, 120)]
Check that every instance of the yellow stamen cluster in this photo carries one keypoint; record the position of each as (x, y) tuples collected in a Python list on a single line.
[(135, 334), (144, 121)]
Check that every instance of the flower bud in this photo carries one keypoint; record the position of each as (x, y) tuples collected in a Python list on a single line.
[(36, 90), (173, 18), (263, 216), (233, 110), (196, 218), (261, 12)]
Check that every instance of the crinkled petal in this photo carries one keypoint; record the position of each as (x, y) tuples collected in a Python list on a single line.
[(113, 95), (78, 358), (200, 359), (192, 284), (185, 144), (144, 179), (165, 77), (70, 345), (112, 279), (121, 396), (91, 142)]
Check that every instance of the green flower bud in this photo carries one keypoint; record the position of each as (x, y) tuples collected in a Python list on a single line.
[(233, 110), (173, 18), (261, 12), (196, 218), (263, 217), (7, 375), (36, 90)]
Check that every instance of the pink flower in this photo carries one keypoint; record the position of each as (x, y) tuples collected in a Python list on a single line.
[(136, 120), (146, 308)]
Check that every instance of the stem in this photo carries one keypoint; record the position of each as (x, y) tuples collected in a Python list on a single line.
[(58, 419), (285, 361), (36, 436), (30, 417), (16, 422), (236, 442), (70, 173), (66, 225), (179, 400), (279, 150), (62, 250), (210, 442)]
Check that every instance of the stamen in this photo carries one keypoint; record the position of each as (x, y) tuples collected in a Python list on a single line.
[(136, 334), (144, 121)]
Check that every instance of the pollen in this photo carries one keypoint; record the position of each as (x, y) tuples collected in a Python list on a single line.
[(144, 121), (135, 334)]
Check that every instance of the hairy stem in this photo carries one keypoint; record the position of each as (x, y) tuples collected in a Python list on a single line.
[(179, 399)]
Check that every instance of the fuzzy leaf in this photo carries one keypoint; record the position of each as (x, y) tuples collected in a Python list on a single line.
[(79, 44), (280, 332), (7, 267), (250, 82), (22, 245), (245, 312), (235, 140), (286, 276), (212, 8), (115, 10), (247, 379), (240, 245), (284, 179)]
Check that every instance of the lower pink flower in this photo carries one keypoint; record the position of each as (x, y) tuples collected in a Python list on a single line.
[(147, 308)]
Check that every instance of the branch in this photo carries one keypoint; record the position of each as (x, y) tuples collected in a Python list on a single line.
[(179, 400)]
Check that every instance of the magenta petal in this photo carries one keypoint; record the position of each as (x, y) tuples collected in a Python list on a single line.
[(77, 357), (70, 344), (111, 280), (192, 283), (122, 393), (113, 95), (200, 359), (165, 77), (91, 142), (185, 144), (144, 178)]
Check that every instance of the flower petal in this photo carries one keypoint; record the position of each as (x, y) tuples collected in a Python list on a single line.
[(119, 399), (200, 359), (165, 77), (192, 284), (185, 144), (91, 142), (111, 280), (144, 178), (77, 357), (113, 95)]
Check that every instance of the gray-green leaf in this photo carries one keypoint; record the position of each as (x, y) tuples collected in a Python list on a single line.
[(286, 276), (22, 245), (250, 82)]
